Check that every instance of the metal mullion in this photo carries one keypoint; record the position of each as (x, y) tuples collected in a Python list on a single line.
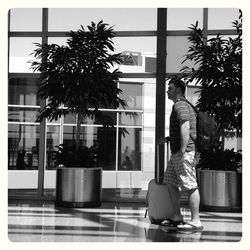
[(117, 144), (160, 85), (23, 106), (42, 141), (117, 33), (117, 140), (177, 32), (61, 129), (187, 32), (25, 33), (130, 110), (135, 33), (24, 123), (222, 32), (138, 75), (205, 21)]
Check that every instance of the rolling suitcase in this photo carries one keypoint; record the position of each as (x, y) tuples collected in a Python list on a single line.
[(159, 205)]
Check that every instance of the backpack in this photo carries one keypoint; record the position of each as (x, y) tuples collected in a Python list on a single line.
[(207, 131)]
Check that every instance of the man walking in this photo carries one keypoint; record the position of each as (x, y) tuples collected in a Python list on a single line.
[(180, 174)]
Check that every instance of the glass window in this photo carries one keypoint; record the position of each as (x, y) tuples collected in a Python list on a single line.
[(109, 116), (177, 48), (22, 114), (135, 51), (129, 153), (21, 49), (148, 149), (181, 19), (53, 135), (26, 19), (130, 119), (150, 64), (23, 147), (105, 138), (138, 53), (149, 104), (23, 91), (58, 40), (222, 18), (62, 19), (71, 119), (193, 94), (132, 93)]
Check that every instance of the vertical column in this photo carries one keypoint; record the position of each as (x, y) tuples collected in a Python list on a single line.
[(8, 41), (160, 87), (205, 22), (42, 139)]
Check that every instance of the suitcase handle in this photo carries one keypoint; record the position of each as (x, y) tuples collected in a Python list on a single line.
[(165, 140)]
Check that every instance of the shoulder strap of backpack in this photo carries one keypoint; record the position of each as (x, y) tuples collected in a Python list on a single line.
[(194, 108)]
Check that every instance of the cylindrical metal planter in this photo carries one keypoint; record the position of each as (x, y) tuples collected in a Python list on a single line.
[(78, 187), (219, 190)]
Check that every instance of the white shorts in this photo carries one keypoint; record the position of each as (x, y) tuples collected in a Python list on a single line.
[(181, 171)]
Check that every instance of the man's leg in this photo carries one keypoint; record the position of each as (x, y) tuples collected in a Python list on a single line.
[(194, 203), (175, 198)]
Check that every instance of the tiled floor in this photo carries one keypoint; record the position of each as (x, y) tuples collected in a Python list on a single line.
[(123, 222)]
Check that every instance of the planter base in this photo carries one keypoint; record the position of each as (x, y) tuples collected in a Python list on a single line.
[(220, 190), (78, 187), (78, 204)]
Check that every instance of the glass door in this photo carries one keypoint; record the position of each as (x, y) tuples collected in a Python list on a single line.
[(23, 134)]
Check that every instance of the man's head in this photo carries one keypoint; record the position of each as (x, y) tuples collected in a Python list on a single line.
[(176, 88)]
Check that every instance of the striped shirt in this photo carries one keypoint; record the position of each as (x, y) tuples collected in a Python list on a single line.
[(181, 112)]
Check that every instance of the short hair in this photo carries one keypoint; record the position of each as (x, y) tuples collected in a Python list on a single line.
[(178, 83)]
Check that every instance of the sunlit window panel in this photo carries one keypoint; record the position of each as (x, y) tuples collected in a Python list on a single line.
[(148, 149), (121, 18), (20, 54), (130, 119), (138, 53), (23, 147), (147, 91), (177, 48), (23, 91), (62, 41), (132, 94), (193, 94), (182, 18), (26, 19), (222, 18), (129, 153)]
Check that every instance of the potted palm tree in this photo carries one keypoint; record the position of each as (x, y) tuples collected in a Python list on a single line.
[(219, 78), (77, 79)]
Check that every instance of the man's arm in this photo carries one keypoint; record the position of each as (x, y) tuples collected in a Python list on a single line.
[(184, 134)]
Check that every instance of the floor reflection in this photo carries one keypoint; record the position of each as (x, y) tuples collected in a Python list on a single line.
[(111, 222)]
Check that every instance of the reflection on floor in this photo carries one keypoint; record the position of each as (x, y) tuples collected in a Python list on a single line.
[(123, 222)]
